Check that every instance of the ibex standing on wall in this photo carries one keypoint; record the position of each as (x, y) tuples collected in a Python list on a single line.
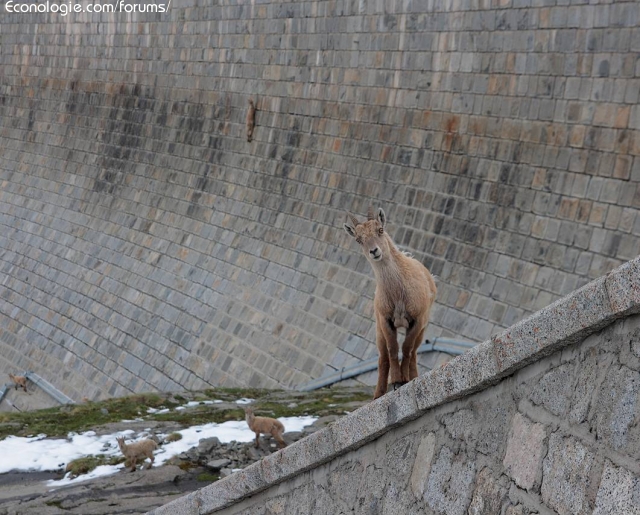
[(405, 291), (251, 120), (19, 381)]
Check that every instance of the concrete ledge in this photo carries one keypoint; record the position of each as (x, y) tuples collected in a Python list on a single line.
[(318, 447), (623, 288), (474, 370), (564, 322)]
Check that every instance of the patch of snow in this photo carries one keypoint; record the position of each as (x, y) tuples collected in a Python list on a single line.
[(102, 470), (190, 404), (40, 453), (244, 400), (233, 430), (158, 411)]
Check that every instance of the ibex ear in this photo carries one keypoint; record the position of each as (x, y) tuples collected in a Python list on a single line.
[(350, 230), (382, 218)]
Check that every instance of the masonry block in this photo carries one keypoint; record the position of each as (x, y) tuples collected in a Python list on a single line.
[(619, 492), (567, 475), (450, 485), (525, 450)]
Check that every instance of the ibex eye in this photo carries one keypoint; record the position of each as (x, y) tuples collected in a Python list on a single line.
[(381, 231), (359, 241)]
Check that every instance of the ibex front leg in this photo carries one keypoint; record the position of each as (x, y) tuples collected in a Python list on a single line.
[(391, 336), (383, 363)]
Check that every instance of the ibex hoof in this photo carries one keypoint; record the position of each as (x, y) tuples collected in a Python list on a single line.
[(398, 384)]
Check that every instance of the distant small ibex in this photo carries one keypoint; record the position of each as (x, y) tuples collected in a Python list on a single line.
[(265, 425), (405, 291), (142, 449), (19, 381), (251, 120)]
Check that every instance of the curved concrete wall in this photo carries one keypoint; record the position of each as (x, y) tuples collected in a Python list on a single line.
[(542, 418), (145, 244)]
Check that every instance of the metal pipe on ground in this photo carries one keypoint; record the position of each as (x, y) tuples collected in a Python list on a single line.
[(48, 388), (446, 345)]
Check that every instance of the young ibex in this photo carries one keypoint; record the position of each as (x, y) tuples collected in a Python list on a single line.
[(265, 425), (251, 120), (19, 381), (405, 291), (142, 449)]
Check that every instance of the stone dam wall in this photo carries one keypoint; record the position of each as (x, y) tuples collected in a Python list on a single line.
[(543, 418), (146, 245)]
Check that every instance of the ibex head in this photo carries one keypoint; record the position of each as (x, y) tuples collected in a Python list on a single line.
[(370, 234)]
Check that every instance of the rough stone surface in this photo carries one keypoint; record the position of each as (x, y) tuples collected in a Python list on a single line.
[(450, 483), (146, 245), (490, 449), (554, 390), (566, 475), (616, 419), (218, 464), (619, 492), (525, 450), (318, 447), (126, 492), (422, 464), (488, 495)]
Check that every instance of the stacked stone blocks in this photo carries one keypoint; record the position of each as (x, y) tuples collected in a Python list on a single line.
[(551, 430), (146, 245)]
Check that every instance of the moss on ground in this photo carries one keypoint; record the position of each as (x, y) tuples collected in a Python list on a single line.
[(206, 476), (86, 464), (60, 421), (173, 437)]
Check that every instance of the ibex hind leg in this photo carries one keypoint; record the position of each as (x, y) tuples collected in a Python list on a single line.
[(383, 376), (278, 438), (410, 346)]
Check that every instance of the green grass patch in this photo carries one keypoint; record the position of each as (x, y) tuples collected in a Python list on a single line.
[(59, 421), (86, 464), (233, 394), (320, 404), (62, 420), (200, 415), (187, 465), (206, 476), (173, 437)]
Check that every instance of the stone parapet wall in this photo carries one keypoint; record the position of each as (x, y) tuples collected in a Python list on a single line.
[(540, 419), (146, 245)]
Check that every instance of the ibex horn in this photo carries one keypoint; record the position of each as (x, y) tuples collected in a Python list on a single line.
[(370, 215), (353, 219)]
